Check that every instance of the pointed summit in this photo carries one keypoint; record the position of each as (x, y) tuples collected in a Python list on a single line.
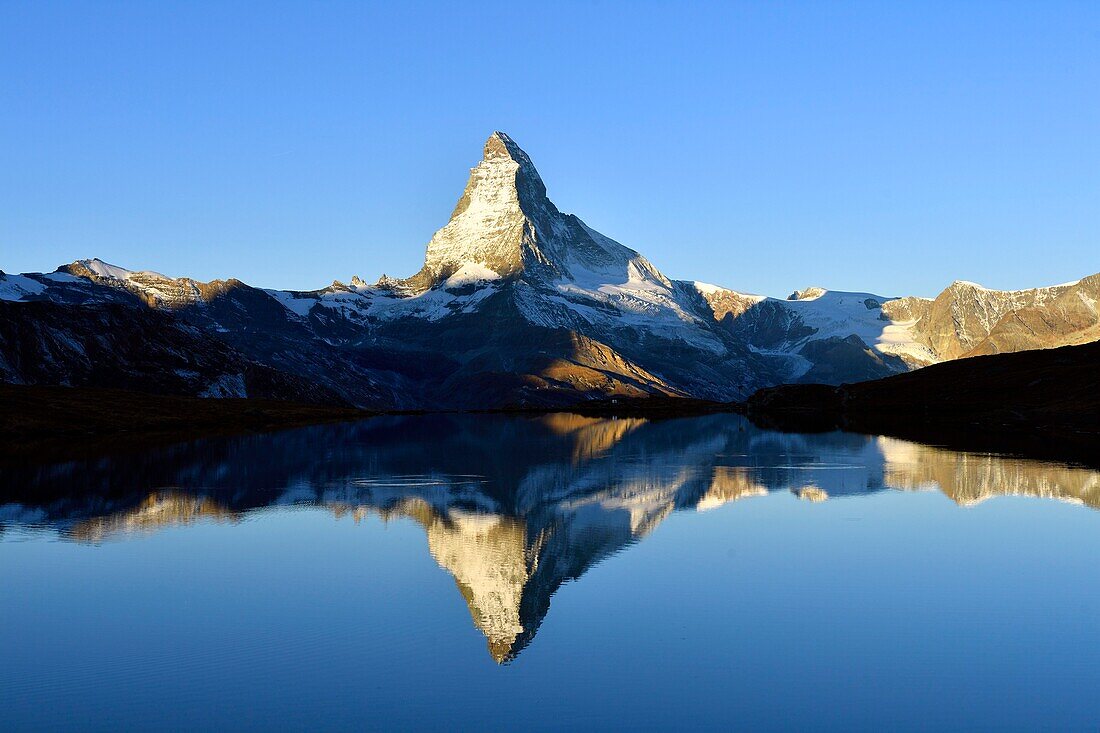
[(500, 145), (527, 181), (505, 227), (493, 224), (505, 176)]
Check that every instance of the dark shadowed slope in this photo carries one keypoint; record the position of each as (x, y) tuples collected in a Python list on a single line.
[(64, 421), (112, 345), (1045, 401)]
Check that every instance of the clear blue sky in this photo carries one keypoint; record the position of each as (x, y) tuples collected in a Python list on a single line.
[(766, 146)]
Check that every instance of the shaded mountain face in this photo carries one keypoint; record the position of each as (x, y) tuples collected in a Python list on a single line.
[(511, 508), (122, 347), (519, 304)]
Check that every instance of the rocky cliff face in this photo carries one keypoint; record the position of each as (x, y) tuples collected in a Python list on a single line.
[(505, 227), (967, 320), (520, 304)]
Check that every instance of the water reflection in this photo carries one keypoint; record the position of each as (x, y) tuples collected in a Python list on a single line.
[(511, 507)]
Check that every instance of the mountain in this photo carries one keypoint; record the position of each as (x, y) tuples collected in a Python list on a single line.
[(517, 304)]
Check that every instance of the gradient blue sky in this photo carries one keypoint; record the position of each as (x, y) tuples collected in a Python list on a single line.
[(879, 146)]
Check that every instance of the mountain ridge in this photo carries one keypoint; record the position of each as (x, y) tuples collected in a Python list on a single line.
[(519, 304)]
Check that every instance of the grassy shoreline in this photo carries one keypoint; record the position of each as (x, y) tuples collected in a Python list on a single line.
[(40, 420)]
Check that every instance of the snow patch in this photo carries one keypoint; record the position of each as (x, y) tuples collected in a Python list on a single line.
[(707, 288), (470, 273), (297, 303), (837, 314), (104, 269), (17, 287), (63, 277)]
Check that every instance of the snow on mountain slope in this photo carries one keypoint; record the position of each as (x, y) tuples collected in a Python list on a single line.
[(102, 269), (157, 290), (505, 228), (838, 314), (19, 287), (469, 274), (506, 237), (817, 327)]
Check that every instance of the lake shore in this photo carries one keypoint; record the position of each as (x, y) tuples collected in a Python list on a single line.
[(1043, 404), (65, 421)]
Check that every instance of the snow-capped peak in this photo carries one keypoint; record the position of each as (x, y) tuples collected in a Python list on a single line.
[(492, 223), (103, 269), (504, 223)]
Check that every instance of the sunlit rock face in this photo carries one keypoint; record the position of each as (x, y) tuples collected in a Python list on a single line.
[(969, 320), (511, 508), (156, 290), (492, 232)]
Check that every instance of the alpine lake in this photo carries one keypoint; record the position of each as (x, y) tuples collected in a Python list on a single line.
[(494, 572)]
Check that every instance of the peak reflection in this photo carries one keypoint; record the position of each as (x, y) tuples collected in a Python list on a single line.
[(511, 508)]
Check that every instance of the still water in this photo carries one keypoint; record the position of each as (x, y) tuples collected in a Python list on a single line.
[(484, 572)]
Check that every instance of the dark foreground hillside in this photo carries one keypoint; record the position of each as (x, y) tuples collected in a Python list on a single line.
[(64, 420), (1044, 402)]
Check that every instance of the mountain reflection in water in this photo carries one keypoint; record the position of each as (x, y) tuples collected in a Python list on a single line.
[(512, 507)]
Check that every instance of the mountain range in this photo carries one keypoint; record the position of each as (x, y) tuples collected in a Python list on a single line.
[(517, 304)]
